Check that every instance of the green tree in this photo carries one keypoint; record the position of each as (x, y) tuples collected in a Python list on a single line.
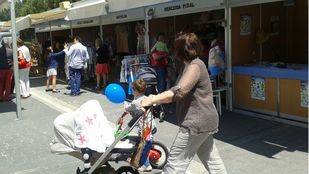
[(26, 7)]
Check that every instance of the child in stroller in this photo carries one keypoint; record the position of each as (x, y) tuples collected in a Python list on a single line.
[(87, 135), (147, 124)]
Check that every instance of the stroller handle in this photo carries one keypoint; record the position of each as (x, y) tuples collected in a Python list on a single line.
[(134, 119)]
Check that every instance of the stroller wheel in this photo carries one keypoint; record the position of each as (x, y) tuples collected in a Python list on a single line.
[(105, 170), (162, 115), (127, 170), (159, 155)]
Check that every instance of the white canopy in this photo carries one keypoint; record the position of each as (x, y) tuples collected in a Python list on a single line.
[(21, 24), (121, 5), (86, 9), (237, 3)]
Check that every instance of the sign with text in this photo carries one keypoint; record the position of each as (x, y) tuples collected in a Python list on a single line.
[(186, 7)]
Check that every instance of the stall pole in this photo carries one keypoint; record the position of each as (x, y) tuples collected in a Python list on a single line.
[(35, 35), (174, 25), (261, 45), (101, 29), (228, 55), (50, 34), (147, 32), (71, 29), (15, 62)]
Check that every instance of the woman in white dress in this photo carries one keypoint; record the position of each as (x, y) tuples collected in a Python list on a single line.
[(24, 58)]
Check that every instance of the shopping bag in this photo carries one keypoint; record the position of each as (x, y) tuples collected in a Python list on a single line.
[(159, 58), (22, 63), (135, 159)]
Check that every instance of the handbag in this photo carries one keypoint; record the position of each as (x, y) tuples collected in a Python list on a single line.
[(22, 63), (159, 59), (135, 159)]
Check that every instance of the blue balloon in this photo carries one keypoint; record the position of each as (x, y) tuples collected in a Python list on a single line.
[(115, 93)]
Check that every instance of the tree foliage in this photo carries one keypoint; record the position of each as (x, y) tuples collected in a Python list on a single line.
[(25, 7)]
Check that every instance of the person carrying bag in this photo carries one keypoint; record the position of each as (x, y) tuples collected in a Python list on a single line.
[(158, 60), (24, 58)]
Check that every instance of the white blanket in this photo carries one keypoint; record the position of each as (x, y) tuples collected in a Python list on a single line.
[(87, 127)]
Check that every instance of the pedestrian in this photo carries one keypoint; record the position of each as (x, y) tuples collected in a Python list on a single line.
[(102, 68), (52, 65), (159, 53), (66, 65), (196, 112), (24, 59), (6, 72), (78, 57)]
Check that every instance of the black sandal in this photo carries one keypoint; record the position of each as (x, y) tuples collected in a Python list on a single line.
[(47, 90)]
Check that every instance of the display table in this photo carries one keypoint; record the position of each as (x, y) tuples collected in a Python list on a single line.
[(271, 90)]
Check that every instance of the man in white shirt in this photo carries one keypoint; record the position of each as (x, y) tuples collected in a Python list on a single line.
[(78, 56)]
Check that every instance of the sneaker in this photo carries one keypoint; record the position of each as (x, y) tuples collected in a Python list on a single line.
[(47, 90), (55, 91), (144, 168), (97, 88)]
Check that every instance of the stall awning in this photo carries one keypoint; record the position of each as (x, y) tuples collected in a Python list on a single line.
[(21, 24), (121, 5), (47, 16), (86, 9), (238, 3)]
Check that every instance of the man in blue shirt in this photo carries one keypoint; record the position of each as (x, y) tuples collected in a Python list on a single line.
[(78, 57)]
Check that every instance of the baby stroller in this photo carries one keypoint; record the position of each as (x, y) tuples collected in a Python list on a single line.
[(118, 146), (149, 75)]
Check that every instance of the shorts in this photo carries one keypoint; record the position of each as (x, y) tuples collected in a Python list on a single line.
[(51, 72), (102, 68)]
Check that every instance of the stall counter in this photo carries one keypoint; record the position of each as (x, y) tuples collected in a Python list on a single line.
[(272, 90)]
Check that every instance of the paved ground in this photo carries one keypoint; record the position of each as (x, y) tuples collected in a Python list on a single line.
[(247, 145)]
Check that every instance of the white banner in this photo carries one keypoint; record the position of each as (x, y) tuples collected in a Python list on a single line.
[(185, 7)]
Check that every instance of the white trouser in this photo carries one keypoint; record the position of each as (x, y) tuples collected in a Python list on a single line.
[(184, 148), (24, 82)]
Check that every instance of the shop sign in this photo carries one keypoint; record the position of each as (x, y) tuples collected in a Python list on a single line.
[(181, 6), (304, 94), (178, 8), (258, 88), (245, 25)]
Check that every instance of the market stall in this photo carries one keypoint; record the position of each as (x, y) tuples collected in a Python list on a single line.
[(270, 58)]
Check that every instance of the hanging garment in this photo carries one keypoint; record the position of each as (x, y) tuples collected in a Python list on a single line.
[(122, 39)]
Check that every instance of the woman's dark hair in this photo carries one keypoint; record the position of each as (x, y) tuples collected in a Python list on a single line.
[(77, 38), (160, 34), (49, 50), (20, 42), (187, 46)]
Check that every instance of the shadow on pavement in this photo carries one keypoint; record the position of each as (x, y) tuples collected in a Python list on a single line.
[(8, 107), (259, 136)]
